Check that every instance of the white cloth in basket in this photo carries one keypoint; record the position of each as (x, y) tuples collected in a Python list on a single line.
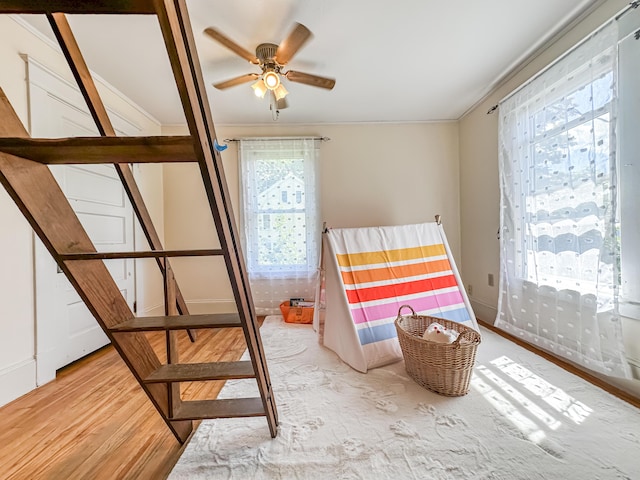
[(439, 333)]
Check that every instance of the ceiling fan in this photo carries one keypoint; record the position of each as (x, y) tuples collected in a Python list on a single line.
[(271, 59)]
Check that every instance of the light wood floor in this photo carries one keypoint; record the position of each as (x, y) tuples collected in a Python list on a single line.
[(94, 421)]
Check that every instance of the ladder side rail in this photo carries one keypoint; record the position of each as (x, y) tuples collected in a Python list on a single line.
[(171, 338), (80, 70), (176, 30), (140, 7), (39, 197)]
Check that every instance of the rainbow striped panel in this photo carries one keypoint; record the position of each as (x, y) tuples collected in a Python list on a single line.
[(377, 283)]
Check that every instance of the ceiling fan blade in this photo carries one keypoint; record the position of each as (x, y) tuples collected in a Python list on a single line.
[(308, 79), (231, 45), (236, 81), (294, 41)]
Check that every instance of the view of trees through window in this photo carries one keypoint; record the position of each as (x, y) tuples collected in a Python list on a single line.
[(567, 186)]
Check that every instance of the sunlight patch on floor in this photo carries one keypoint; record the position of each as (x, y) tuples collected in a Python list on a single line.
[(523, 423), (526, 399), (519, 397), (554, 396)]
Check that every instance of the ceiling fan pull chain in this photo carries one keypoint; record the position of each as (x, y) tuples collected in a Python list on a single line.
[(275, 113)]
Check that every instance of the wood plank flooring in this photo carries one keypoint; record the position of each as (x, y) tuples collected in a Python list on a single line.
[(95, 422)]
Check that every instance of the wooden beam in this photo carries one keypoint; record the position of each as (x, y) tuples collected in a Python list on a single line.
[(81, 72), (141, 254), (39, 197), (202, 372), (223, 408), (178, 36), (170, 309), (76, 7), (99, 150), (179, 322)]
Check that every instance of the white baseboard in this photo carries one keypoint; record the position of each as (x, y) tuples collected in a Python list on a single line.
[(16, 380), (634, 364), (211, 306), (486, 313), (153, 311), (196, 307), (46, 363)]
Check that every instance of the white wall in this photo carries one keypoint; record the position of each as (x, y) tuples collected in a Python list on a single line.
[(149, 284), (479, 187), (370, 174), (17, 320), (17, 324)]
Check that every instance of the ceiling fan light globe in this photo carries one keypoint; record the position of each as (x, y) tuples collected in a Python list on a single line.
[(280, 92), (271, 80), (259, 88)]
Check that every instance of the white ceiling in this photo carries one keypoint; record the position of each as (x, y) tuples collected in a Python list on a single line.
[(393, 61)]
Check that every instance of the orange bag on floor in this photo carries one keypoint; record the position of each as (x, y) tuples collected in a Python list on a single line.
[(296, 314)]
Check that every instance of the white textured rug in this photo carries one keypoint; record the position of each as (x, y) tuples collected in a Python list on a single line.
[(524, 418)]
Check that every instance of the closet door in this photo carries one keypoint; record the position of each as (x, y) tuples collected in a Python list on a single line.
[(65, 329)]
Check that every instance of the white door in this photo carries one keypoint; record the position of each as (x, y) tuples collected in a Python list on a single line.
[(65, 329)]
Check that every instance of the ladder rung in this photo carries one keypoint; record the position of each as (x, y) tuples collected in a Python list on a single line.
[(141, 254), (200, 372), (73, 6), (96, 150), (179, 322), (224, 408)]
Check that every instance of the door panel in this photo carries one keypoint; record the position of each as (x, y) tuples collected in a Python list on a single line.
[(94, 183), (65, 328), (97, 197)]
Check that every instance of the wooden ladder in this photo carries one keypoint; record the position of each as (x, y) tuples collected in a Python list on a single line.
[(28, 180)]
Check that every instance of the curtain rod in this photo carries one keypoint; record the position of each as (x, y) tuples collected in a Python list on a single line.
[(628, 8), (556, 61), (325, 229), (268, 139)]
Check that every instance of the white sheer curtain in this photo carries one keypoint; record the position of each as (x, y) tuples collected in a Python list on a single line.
[(559, 232), (280, 218)]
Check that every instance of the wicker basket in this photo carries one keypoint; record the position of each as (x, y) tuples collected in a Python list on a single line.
[(444, 368)]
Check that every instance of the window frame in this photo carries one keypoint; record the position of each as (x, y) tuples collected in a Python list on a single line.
[(525, 238), (309, 208)]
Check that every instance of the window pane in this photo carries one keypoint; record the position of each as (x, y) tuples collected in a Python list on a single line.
[(550, 164), (276, 181), (284, 244), (579, 103)]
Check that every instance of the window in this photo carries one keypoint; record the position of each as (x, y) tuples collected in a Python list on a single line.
[(568, 182), (560, 241), (281, 237)]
